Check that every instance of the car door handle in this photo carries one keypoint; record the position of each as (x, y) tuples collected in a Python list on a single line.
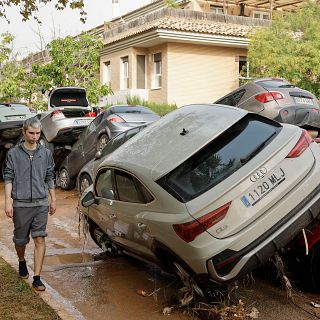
[(112, 216), (141, 225)]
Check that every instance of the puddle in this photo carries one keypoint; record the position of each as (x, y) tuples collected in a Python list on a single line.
[(73, 258)]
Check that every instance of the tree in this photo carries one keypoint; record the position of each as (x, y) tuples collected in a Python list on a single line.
[(10, 81), (172, 4), (289, 49), (74, 62), (10, 70), (29, 8), (5, 46)]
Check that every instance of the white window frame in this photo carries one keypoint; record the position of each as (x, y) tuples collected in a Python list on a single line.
[(124, 73), (262, 15), (216, 9), (157, 71), (106, 73)]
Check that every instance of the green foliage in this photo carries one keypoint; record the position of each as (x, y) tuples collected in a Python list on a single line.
[(5, 43), (29, 8), (10, 76), (74, 62), (171, 4), (289, 49), (159, 108)]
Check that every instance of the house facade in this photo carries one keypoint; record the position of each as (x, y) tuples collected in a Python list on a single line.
[(188, 55)]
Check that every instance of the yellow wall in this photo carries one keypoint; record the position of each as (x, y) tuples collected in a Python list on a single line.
[(201, 73)]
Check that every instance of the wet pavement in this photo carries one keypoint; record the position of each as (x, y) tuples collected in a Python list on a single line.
[(83, 283)]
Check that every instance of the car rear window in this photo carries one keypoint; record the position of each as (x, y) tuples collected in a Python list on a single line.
[(275, 84), (131, 109), (220, 158)]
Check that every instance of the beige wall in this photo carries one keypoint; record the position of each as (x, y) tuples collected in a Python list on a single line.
[(158, 95), (115, 63), (200, 73), (190, 73)]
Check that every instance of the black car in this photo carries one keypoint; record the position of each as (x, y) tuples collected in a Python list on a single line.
[(96, 136)]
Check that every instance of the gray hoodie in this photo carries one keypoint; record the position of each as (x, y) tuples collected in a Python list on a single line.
[(31, 177)]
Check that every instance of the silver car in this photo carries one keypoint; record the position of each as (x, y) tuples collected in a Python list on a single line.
[(277, 99), (123, 117), (208, 191), (68, 114)]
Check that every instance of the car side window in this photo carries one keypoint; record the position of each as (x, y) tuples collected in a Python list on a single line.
[(104, 185), (130, 189), (112, 145), (93, 124), (228, 100), (238, 95)]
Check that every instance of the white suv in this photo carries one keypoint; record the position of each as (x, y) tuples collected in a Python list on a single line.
[(208, 191)]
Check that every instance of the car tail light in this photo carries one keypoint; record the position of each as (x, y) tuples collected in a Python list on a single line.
[(303, 143), (269, 96), (90, 114), (190, 230), (57, 114), (115, 119)]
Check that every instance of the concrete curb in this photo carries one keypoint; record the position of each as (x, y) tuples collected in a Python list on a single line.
[(64, 308)]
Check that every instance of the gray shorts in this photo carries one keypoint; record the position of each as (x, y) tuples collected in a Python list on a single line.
[(29, 220)]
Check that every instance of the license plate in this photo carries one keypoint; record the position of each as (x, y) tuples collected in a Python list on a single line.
[(82, 121), (263, 187), (300, 100), (22, 117)]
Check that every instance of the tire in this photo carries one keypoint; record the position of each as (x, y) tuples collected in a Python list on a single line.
[(98, 236), (103, 140), (186, 277), (204, 288), (84, 182), (65, 181)]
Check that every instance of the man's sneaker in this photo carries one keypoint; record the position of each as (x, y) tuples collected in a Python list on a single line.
[(37, 284), (23, 270)]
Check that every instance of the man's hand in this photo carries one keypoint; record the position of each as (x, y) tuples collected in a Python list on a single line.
[(52, 208), (8, 210)]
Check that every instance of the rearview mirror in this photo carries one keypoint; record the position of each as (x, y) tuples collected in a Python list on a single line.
[(88, 199)]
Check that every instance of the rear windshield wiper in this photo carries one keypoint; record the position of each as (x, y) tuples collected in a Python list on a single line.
[(287, 86), (256, 150)]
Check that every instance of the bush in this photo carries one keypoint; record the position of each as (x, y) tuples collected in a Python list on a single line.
[(159, 108)]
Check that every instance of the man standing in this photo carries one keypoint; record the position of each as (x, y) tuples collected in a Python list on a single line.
[(29, 178)]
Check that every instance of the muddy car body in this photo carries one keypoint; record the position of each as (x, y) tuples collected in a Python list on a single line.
[(277, 99), (12, 116), (208, 191)]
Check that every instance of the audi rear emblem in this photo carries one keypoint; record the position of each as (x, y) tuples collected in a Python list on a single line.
[(259, 174)]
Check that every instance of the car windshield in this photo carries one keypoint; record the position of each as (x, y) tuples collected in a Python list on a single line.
[(275, 84), (220, 158), (131, 109)]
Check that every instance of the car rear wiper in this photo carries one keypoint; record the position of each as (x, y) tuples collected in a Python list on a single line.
[(287, 86), (256, 150)]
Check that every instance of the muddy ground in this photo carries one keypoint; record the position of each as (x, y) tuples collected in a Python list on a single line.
[(85, 284)]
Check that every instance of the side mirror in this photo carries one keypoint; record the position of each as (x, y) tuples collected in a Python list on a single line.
[(88, 199), (97, 156)]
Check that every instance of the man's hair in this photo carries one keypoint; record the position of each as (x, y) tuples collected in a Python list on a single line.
[(33, 122)]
